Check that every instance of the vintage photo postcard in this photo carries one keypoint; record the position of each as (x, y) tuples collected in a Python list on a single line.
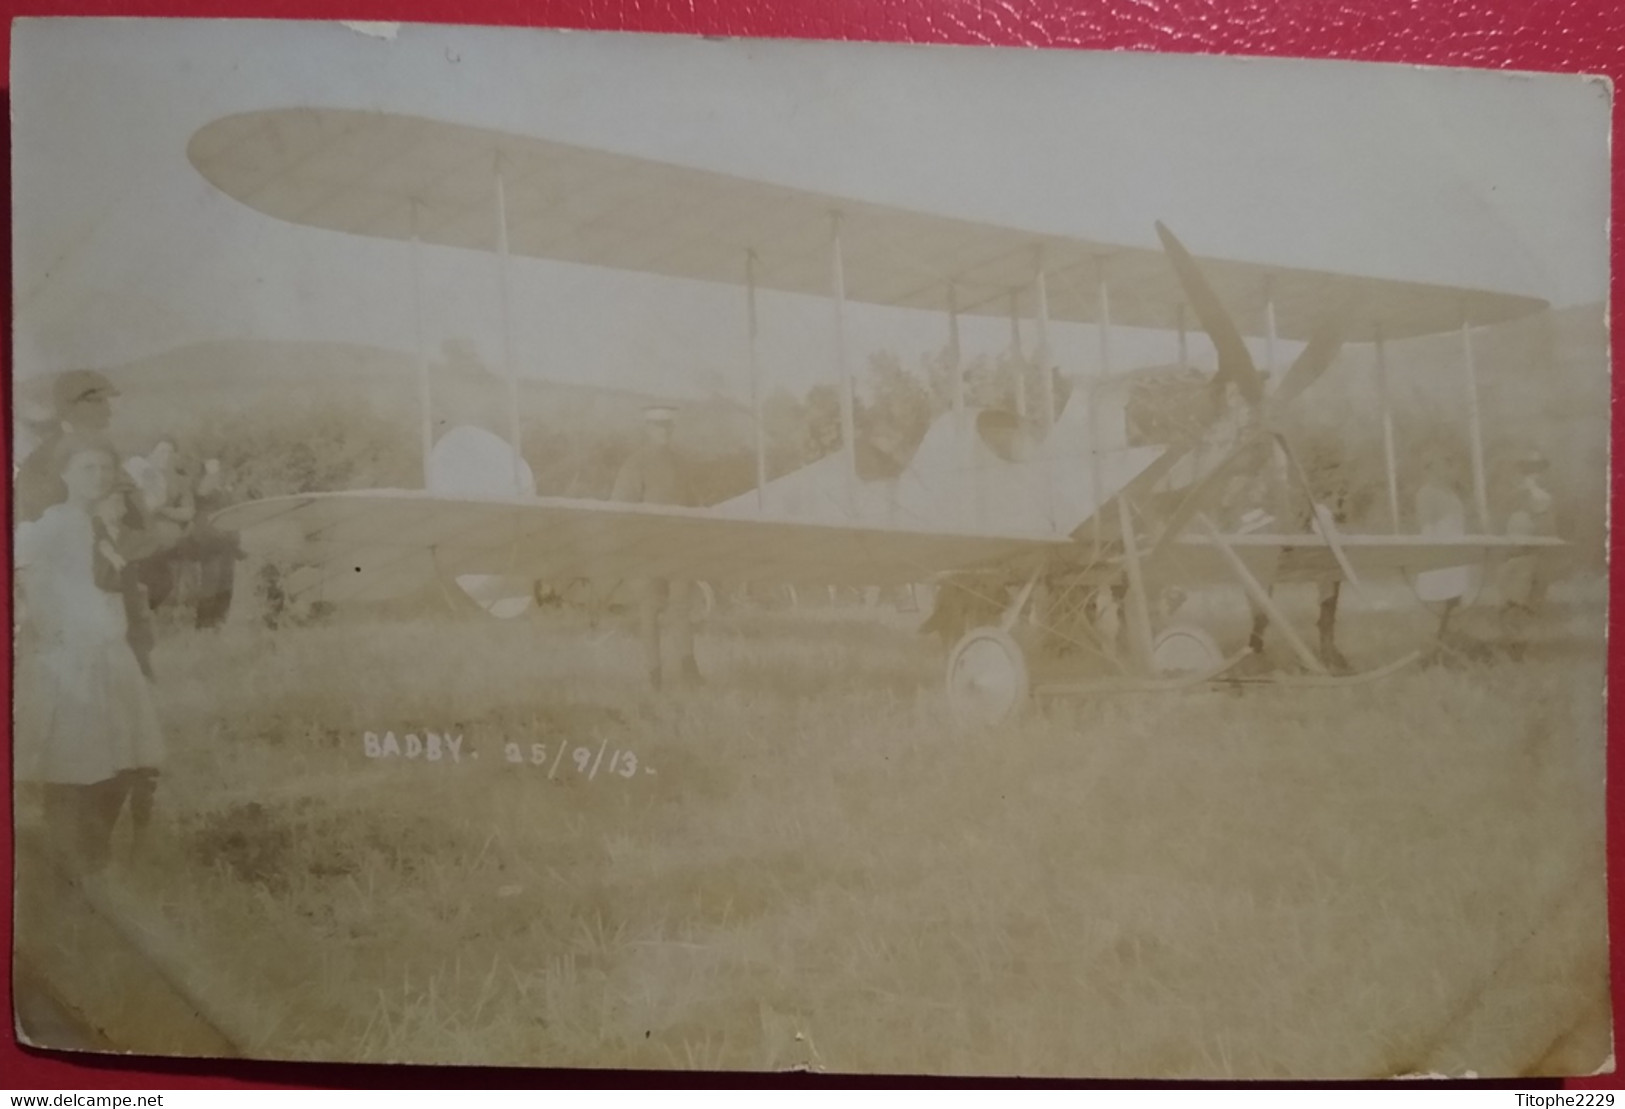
[(579, 550)]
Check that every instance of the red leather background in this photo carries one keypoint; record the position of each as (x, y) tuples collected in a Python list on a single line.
[(1578, 36)]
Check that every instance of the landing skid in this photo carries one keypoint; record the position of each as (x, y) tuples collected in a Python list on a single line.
[(988, 682), (1317, 681), (1087, 686)]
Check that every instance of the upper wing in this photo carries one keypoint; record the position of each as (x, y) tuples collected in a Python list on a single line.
[(406, 177), (382, 543), (1287, 557)]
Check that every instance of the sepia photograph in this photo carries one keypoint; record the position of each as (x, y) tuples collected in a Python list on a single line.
[(594, 550)]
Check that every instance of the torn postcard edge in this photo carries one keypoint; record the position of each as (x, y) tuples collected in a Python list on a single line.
[(378, 29)]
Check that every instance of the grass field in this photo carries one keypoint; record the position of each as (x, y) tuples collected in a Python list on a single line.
[(809, 866)]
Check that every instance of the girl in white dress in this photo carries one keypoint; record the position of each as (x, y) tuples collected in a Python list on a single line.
[(86, 725)]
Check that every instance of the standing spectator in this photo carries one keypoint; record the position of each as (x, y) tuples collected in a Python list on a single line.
[(82, 402), (86, 725), (1521, 583), (1441, 512), (165, 489), (652, 476), (217, 551)]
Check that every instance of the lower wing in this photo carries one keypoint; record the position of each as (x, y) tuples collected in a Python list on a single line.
[(377, 544), (1308, 557)]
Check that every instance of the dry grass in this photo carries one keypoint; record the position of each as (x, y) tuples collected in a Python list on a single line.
[(821, 872)]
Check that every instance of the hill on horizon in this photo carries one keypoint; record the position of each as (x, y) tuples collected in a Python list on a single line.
[(161, 392)]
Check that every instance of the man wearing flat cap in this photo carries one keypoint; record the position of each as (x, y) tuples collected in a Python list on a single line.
[(81, 401), (652, 476), (81, 404)]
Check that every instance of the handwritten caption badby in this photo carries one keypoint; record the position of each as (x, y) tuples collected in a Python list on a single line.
[(448, 749)]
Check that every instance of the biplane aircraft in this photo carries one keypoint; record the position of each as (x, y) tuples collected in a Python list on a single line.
[(1022, 509)]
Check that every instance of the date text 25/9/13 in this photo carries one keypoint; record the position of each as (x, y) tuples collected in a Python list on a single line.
[(444, 748)]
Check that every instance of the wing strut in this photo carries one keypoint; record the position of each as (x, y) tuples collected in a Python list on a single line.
[(970, 514), (849, 443), (1134, 598), (1042, 357), (1270, 336), (1385, 409), (515, 435), (1475, 426), (1046, 380), (425, 400), (1103, 329), (1018, 354), (755, 365)]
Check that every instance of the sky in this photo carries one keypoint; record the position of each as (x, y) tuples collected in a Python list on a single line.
[(123, 250)]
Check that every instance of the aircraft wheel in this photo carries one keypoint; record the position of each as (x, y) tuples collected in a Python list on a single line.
[(987, 678), (1185, 649)]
